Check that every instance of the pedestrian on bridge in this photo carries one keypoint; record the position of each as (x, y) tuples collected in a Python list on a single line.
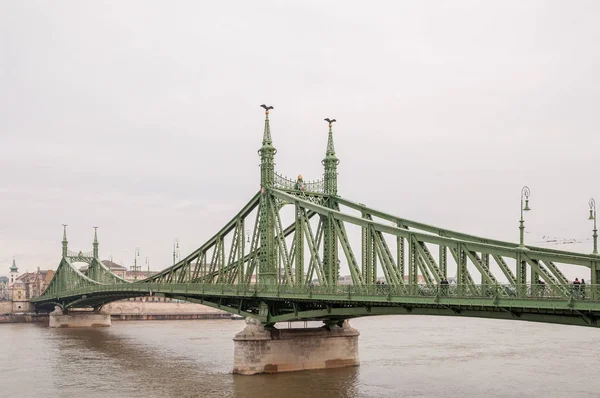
[(542, 287), (444, 286), (576, 285)]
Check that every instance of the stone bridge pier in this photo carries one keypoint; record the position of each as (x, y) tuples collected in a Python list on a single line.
[(259, 349), (77, 319)]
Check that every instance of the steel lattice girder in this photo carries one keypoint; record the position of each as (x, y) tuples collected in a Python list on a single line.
[(354, 298), (72, 288)]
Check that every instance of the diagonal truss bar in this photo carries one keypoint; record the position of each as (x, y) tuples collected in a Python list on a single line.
[(556, 272), (313, 266), (512, 279), (429, 261), (483, 270), (387, 260), (424, 270), (462, 272), (548, 278), (340, 231), (280, 238), (312, 246)]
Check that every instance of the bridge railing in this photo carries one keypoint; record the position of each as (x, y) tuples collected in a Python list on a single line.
[(585, 292), (459, 291)]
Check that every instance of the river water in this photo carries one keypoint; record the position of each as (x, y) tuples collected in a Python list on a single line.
[(401, 356)]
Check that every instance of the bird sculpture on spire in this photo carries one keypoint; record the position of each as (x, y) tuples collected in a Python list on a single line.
[(267, 108), (328, 120)]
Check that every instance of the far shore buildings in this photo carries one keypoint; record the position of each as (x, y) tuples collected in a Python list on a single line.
[(36, 282), (4, 291), (19, 289), (24, 286), (128, 275), (122, 272)]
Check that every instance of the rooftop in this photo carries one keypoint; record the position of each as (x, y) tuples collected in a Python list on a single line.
[(113, 266)]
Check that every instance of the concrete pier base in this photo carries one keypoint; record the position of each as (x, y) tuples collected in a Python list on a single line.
[(57, 319), (269, 350)]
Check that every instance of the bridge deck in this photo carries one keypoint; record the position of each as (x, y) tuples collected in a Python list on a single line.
[(581, 305)]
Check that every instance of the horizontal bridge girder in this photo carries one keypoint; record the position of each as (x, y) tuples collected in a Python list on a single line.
[(487, 297), (450, 233), (471, 245), (500, 313)]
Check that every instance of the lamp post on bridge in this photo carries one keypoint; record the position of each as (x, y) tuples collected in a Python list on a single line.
[(524, 194), (135, 267), (175, 251), (595, 230)]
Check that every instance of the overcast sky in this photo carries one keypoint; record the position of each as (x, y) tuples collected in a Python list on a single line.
[(143, 118)]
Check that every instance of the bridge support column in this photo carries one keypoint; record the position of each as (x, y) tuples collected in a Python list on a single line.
[(269, 350), (77, 319)]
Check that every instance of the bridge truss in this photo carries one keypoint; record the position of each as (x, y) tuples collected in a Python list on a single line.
[(280, 257)]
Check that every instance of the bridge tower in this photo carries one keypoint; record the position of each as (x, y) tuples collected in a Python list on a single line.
[(330, 249), (267, 271)]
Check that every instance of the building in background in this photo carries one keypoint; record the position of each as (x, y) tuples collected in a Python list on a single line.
[(14, 272), (115, 268), (19, 297), (21, 288), (36, 282), (122, 272), (4, 292)]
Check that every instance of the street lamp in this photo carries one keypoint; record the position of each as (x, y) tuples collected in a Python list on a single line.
[(593, 217), (248, 232), (524, 194), (175, 251), (135, 266)]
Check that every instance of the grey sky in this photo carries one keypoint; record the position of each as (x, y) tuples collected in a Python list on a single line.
[(142, 117)]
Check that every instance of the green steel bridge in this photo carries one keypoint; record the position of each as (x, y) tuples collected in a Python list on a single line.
[(279, 260)]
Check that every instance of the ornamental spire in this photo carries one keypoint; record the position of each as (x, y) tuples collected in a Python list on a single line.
[(330, 162), (95, 242), (65, 242), (267, 155), (267, 133), (330, 148), (14, 268)]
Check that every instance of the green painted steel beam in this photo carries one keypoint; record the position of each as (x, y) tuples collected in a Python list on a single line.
[(455, 234), (347, 313), (541, 254)]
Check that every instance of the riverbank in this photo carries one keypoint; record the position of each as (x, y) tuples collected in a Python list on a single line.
[(23, 318), (169, 317), (139, 311), (43, 318)]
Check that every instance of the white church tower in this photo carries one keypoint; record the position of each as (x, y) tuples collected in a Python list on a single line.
[(14, 272)]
